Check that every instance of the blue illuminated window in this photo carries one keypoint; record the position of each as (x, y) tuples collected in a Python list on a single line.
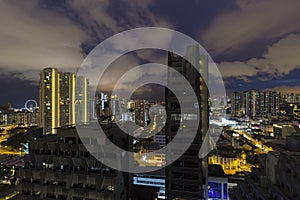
[(225, 190), (214, 190)]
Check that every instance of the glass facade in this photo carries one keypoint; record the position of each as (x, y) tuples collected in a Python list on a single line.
[(217, 191)]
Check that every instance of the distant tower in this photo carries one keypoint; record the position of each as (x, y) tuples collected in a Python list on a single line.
[(81, 103), (140, 113), (237, 102), (49, 96), (67, 99), (273, 99), (250, 103)]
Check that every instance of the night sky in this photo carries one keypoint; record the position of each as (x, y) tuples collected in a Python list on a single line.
[(255, 43)]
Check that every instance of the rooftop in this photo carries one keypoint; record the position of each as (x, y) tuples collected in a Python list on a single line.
[(216, 171)]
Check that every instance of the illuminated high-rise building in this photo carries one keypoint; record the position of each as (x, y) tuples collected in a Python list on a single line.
[(272, 106), (187, 176), (63, 100), (236, 104), (251, 103), (140, 115), (255, 103), (49, 97), (81, 102), (67, 98)]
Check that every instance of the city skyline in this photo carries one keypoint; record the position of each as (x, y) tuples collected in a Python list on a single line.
[(253, 55), (150, 100)]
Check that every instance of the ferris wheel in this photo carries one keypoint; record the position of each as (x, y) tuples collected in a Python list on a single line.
[(31, 105)]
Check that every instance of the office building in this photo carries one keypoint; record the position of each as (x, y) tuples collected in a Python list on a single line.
[(186, 177)]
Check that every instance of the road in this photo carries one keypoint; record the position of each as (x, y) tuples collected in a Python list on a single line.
[(4, 137)]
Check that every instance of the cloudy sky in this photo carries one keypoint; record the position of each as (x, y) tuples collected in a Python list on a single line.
[(255, 43)]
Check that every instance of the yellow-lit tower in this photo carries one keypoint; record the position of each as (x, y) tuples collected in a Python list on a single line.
[(49, 98), (67, 98)]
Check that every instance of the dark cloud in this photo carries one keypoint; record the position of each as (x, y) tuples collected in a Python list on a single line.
[(255, 41), (280, 59), (254, 24), (288, 83), (16, 91)]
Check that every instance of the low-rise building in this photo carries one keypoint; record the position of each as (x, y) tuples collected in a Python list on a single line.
[(218, 183), (228, 160), (278, 177), (281, 131)]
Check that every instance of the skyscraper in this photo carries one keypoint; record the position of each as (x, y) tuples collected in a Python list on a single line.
[(255, 103), (186, 177), (140, 113), (63, 100), (49, 96), (67, 98), (273, 99), (81, 103), (250, 103), (236, 104)]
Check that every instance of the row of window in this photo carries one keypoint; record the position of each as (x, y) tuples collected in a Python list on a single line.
[(188, 188), (60, 153)]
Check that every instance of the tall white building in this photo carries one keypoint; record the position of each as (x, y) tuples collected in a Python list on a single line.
[(81, 103)]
